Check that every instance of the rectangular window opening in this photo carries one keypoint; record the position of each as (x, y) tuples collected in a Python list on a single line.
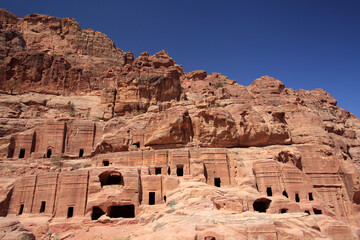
[(269, 191), (106, 163), (297, 198)]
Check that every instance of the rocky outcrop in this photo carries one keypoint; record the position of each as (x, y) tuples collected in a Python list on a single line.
[(12, 229), (170, 128)]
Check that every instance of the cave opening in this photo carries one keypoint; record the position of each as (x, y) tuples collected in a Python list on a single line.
[(96, 213), (317, 211), (283, 210), (136, 144), (125, 211), (106, 163), (209, 238), (261, 205), (111, 178)]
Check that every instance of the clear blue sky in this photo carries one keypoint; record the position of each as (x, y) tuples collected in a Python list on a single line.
[(306, 44)]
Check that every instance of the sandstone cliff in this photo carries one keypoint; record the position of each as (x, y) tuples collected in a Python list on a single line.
[(98, 144)]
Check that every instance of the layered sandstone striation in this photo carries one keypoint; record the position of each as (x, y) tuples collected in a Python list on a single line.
[(98, 144)]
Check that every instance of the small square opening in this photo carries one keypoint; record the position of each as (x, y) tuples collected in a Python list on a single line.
[(106, 163), (157, 171)]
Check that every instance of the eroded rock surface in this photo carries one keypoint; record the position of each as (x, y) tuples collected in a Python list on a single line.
[(98, 144)]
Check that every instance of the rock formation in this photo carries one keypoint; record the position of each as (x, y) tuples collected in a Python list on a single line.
[(97, 144)]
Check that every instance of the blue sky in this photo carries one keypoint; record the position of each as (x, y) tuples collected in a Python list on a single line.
[(306, 44)]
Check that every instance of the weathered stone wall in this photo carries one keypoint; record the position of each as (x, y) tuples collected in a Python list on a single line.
[(80, 135)]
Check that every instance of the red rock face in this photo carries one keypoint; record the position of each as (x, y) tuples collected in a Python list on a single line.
[(92, 138)]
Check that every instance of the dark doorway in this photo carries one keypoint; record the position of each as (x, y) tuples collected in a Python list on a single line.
[(164, 198), (284, 210), (169, 171), (311, 198), (111, 178), (22, 153), (42, 207), (48, 153), (180, 170), (269, 191), (317, 211), (217, 182), (307, 211), (106, 163), (70, 212), (81, 153), (127, 211), (261, 205), (21, 209), (157, 171), (285, 194), (96, 213), (151, 198), (297, 198)]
